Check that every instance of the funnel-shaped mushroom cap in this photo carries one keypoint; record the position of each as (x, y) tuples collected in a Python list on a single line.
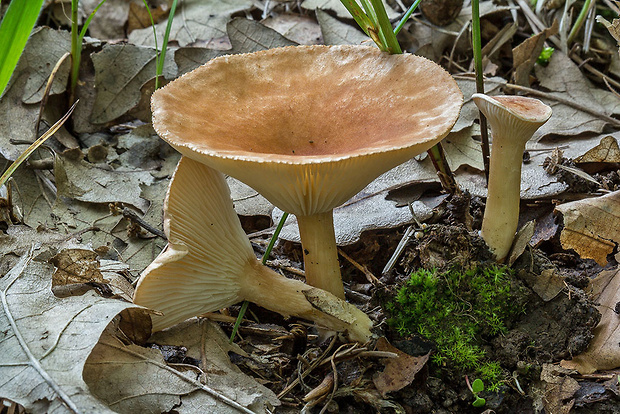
[(309, 126), (514, 116)]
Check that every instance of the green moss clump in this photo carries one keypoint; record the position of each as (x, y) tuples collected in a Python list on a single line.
[(458, 310)]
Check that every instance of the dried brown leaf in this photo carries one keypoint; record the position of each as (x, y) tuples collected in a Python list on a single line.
[(592, 226), (400, 371)]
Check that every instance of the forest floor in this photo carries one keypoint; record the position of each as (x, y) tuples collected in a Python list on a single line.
[(82, 219)]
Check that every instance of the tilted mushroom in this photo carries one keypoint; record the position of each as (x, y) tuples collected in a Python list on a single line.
[(513, 121), (209, 263), (308, 127)]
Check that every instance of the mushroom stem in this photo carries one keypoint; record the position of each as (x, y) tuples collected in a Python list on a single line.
[(513, 121), (320, 252), (501, 215), (290, 297)]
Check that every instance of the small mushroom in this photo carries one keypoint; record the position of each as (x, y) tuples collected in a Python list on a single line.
[(513, 121), (308, 127), (209, 263)]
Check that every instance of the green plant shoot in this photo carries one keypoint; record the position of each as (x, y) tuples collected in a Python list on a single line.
[(15, 28)]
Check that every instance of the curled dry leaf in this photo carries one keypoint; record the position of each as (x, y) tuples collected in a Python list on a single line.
[(45, 341), (400, 371), (133, 379), (592, 226), (603, 352), (607, 151)]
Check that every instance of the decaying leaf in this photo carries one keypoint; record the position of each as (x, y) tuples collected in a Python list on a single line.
[(303, 30), (83, 181), (558, 390), (336, 32), (124, 375), (604, 350), (592, 226), (337, 7), (120, 72), (370, 210), (248, 36), (564, 79), (44, 340), (45, 47), (400, 371), (525, 54), (194, 20), (607, 151), (76, 266), (461, 149)]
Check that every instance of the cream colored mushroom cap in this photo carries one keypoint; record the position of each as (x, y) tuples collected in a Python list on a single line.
[(514, 115), (308, 126)]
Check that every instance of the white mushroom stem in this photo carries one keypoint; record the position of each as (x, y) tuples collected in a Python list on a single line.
[(513, 121), (209, 263), (320, 252)]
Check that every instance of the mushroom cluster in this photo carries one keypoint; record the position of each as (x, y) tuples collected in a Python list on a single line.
[(308, 127)]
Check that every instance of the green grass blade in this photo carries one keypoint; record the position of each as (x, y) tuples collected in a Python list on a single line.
[(244, 306), (15, 29), (88, 20), (408, 14), (386, 27), (7, 174), (164, 45)]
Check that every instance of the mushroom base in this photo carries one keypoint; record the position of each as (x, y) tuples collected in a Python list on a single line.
[(290, 297)]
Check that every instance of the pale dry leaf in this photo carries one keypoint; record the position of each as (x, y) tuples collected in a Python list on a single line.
[(135, 379), (303, 30), (592, 226), (44, 341), (194, 20), (120, 72), (461, 149), (607, 151), (526, 54), (110, 20), (564, 79), (18, 119), (336, 32), (83, 181), (337, 7), (604, 350), (370, 210), (44, 49), (248, 36)]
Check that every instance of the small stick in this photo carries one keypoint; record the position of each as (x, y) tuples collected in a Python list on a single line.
[(133, 216), (369, 276)]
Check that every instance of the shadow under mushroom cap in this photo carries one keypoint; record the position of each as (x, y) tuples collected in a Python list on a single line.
[(341, 113)]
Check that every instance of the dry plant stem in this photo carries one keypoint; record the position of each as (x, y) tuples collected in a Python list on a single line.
[(320, 252)]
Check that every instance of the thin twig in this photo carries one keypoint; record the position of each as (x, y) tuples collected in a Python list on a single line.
[(369, 276)]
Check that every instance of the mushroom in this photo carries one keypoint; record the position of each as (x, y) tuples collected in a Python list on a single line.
[(308, 127), (209, 263), (513, 121)]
